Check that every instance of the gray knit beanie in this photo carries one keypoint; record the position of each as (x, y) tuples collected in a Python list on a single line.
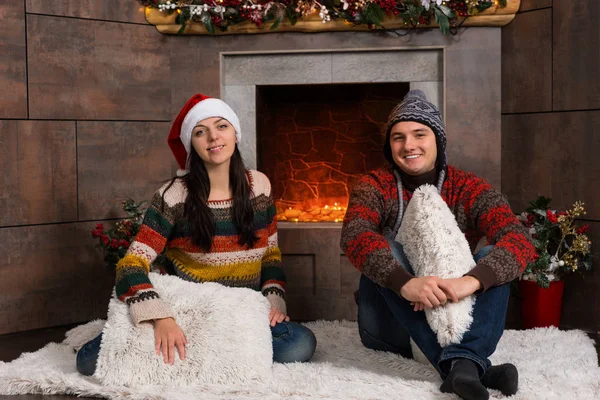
[(415, 107)]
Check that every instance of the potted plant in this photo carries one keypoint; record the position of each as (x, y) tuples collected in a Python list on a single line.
[(562, 248)]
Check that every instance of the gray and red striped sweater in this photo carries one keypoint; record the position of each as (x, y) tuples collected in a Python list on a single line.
[(479, 211)]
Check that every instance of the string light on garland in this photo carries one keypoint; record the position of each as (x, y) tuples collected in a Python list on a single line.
[(167, 6), (253, 6), (198, 10), (221, 14)]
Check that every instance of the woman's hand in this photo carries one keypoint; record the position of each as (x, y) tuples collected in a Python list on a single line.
[(168, 336), (276, 316)]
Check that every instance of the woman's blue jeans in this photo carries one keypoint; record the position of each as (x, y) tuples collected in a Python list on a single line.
[(292, 342), (386, 322)]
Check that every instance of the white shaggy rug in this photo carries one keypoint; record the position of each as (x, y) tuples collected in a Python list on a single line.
[(552, 364)]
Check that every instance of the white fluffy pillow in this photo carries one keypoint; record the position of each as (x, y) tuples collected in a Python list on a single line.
[(435, 246), (227, 329)]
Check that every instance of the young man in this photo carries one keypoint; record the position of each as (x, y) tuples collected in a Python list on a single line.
[(390, 297)]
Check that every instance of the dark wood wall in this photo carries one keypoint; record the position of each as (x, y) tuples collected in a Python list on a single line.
[(551, 124), (85, 105)]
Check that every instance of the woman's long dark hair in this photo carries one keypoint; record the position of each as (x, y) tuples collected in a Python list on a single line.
[(201, 222)]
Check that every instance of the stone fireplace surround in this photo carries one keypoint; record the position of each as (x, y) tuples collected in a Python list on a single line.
[(321, 280), (241, 73)]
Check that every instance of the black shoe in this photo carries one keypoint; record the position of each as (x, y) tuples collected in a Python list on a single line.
[(503, 377), (463, 380)]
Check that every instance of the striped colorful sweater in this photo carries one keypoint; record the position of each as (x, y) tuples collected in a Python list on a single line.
[(479, 211), (228, 263)]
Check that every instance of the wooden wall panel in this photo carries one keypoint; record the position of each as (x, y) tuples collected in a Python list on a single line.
[(581, 302), (111, 10), (82, 69), (527, 47), (198, 60), (117, 160), (554, 154), (51, 275), (576, 58), (473, 106), (38, 179), (528, 5), (13, 62)]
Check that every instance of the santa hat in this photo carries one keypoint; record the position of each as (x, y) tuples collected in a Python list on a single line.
[(196, 109)]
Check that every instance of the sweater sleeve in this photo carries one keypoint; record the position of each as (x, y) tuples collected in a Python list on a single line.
[(272, 282), (133, 285), (489, 212), (362, 241)]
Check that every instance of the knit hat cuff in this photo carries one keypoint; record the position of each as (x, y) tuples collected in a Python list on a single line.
[(208, 108)]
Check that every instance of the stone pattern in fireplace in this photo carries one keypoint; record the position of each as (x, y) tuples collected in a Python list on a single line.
[(315, 141)]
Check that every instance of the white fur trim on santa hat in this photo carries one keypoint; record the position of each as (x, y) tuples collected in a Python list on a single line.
[(207, 108)]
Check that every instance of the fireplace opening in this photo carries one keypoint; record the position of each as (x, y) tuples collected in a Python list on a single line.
[(315, 141)]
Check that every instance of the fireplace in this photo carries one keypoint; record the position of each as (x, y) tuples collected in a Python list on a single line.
[(314, 122), (315, 141)]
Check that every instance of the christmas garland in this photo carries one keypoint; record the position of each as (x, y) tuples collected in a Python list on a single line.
[(221, 14)]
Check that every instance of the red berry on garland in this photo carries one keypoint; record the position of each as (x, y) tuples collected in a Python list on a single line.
[(551, 217)]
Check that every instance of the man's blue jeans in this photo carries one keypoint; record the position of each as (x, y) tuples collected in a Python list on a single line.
[(292, 342), (386, 322)]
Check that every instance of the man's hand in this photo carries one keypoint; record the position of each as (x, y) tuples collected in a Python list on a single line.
[(430, 291), (276, 316), (464, 286), (417, 306), (168, 336)]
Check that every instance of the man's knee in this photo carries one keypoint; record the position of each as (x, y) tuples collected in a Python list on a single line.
[(372, 342), (377, 333)]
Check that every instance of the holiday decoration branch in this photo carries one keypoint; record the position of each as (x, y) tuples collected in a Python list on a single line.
[(562, 246), (115, 242), (219, 15)]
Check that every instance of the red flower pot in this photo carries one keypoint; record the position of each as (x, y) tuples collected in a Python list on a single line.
[(541, 307)]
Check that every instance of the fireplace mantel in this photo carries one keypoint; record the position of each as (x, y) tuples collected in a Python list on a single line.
[(164, 23), (242, 72)]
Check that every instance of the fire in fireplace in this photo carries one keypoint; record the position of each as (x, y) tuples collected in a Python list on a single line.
[(315, 141)]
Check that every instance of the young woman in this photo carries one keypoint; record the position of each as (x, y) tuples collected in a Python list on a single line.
[(216, 222)]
